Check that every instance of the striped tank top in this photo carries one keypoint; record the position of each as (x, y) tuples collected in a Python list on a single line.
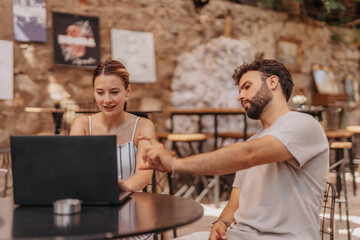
[(126, 155)]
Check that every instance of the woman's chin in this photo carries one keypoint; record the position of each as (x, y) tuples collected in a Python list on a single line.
[(109, 111)]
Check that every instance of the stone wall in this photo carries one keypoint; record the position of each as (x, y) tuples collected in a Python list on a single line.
[(177, 29)]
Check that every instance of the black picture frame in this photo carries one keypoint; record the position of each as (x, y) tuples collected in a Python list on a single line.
[(76, 40)]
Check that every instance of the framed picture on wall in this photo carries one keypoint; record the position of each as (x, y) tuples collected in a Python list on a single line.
[(76, 40), (352, 88), (324, 80), (29, 20), (136, 51), (288, 52)]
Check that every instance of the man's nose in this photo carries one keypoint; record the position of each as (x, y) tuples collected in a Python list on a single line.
[(240, 97)]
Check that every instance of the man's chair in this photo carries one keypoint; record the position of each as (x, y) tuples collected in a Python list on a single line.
[(327, 213)]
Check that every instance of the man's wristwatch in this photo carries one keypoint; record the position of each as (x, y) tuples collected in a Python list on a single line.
[(221, 220)]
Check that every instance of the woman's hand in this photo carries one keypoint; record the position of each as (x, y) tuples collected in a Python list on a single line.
[(218, 231), (124, 186)]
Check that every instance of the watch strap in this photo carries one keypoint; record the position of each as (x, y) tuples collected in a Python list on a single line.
[(221, 220)]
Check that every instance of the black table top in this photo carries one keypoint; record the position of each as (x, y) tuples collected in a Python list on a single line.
[(142, 213)]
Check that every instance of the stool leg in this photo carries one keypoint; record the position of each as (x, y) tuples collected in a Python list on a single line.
[(352, 170), (175, 147), (338, 173), (191, 148), (340, 211), (346, 199)]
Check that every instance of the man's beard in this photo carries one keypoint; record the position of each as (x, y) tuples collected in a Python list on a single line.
[(257, 104)]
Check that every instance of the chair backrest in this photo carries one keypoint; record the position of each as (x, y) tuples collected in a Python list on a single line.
[(327, 213)]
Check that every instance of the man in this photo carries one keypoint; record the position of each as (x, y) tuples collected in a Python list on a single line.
[(281, 170)]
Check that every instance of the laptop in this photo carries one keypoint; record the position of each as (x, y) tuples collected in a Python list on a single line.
[(49, 168)]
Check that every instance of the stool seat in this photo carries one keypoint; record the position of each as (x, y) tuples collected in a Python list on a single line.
[(162, 135), (341, 145), (353, 129), (189, 137), (338, 133), (238, 135)]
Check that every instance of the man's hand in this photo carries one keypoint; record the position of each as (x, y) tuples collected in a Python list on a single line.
[(218, 231), (156, 156)]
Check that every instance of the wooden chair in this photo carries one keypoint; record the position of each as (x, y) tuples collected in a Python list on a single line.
[(356, 137), (327, 213), (162, 183)]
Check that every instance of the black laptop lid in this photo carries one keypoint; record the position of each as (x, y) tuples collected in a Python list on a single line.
[(48, 168)]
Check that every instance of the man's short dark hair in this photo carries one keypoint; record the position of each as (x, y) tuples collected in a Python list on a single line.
[(267, 68)]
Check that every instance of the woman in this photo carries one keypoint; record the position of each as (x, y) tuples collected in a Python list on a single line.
[(111, 88)]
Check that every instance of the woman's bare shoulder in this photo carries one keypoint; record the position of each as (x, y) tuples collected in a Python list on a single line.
[(145, 122), (81, 120), (80, 126), (146, 126)]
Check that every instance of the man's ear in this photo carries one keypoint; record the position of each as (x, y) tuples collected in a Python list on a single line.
[(272, 82)]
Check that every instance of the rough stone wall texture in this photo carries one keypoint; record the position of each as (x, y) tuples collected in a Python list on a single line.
[(177, 28)]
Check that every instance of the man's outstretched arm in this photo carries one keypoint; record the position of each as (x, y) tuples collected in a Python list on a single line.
[(225, 160)]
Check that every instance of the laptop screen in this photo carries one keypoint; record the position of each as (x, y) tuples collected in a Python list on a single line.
[(49, 168)]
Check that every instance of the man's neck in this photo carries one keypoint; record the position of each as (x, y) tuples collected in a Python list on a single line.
[(272, 112)]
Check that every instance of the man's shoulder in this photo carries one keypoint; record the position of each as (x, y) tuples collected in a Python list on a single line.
[(296, 123), (301, 119), (300, 115)]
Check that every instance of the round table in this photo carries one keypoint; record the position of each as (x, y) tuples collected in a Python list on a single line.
[(142, 213)]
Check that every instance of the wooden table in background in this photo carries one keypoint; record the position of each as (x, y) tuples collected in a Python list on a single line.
[(57, 114), (141, 113)]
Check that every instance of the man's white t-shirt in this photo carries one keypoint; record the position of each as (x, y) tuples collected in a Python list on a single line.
[(282, 200)]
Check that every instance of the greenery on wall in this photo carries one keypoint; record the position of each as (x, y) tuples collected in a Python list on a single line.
[(338, 13), (331, 11)]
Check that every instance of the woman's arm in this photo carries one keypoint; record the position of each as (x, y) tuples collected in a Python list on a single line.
[(142, 177)]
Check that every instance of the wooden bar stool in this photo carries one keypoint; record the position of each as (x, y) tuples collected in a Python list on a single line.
[(344, 135), (188, 138), (356, 145), (339, 166), (233, 135)]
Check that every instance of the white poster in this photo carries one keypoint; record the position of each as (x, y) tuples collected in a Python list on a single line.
[(6, 70), (135, 50)]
